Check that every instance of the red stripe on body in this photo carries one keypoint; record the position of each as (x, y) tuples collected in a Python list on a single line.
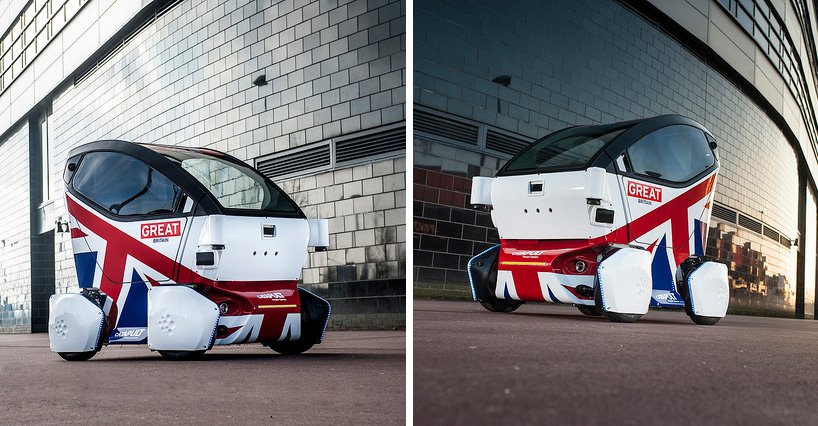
[(675, 210), (652, 245), (527, 284), (77, 233)]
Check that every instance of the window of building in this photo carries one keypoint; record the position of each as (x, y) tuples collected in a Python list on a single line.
[(125, 186), (766, 27), (30, 32), (674, 153), (45, 157)]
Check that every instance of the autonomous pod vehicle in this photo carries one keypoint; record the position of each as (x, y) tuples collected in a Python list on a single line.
[(611, 218), (182, 249)]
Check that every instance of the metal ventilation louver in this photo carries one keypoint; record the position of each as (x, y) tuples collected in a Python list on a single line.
[(371, 145), (724, 213), (771, 233), (298, 161), (785, 241), (445, 127), (506, 144), (729, 215), (749, 223)]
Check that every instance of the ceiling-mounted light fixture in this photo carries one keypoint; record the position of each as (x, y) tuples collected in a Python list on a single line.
[(505, 81), (260, 80)]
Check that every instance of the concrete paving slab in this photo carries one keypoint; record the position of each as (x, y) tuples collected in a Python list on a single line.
[(352, 378), (548, 364)]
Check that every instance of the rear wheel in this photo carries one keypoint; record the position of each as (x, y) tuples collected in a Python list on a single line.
[(500, 305), (77, 356), (617, 317), (591, 311), (181, 355), (291, 348)]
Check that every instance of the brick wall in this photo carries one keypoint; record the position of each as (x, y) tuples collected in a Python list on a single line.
[(15, 259), (333, 67), (446, 231), (582, 62)]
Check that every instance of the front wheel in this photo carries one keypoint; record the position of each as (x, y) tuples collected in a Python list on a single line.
[(181, 355), (701, 320), (77, 356), (291, 348), (499, 305)]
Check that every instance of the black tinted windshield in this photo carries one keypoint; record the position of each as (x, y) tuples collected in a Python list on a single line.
[(568, 149), (125, 186)]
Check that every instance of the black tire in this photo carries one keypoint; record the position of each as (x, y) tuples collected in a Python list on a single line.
[(77, 356), (698, 319), (291, 348), (499, 305), (617, 317), (591, 311), (181, 355)]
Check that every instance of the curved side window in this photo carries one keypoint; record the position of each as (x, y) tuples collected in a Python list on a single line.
[(675, 153), (125, 186), (236, 186)]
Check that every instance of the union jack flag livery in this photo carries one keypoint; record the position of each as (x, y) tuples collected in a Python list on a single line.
[(182, 249), (611, 218)]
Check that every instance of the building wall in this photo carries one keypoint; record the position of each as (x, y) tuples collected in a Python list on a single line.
[(15, 259), (333, 68), (746, 34), (363, 272), (585, 62)]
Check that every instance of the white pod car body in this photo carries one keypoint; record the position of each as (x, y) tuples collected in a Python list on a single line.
[(612, 218)]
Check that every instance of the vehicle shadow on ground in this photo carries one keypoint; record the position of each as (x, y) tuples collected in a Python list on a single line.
[(307, 357), (647, 319)]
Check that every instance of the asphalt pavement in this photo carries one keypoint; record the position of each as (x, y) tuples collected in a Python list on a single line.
[(355, 377), (548, 364)]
